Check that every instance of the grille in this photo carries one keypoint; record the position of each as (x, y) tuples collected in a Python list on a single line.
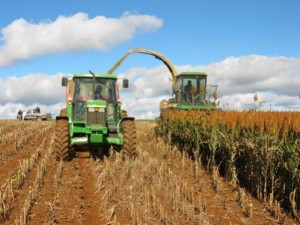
[(98, 118)]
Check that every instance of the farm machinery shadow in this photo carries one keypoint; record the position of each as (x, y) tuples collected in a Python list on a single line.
[(91, 151)]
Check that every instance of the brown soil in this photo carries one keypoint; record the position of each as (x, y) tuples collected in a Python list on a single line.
[(160, 186)]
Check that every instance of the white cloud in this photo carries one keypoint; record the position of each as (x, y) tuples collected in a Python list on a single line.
[(255, 73), (149, 82), (29, 91), (142, 107), (32, 88), (266, 101), (24, 40)]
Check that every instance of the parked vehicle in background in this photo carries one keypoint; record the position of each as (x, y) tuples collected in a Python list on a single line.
[(35, 114)]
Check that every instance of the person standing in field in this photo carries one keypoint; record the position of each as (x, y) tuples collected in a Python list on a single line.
[(20, 115)]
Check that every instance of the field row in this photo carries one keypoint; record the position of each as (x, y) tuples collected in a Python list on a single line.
[(163, 185)]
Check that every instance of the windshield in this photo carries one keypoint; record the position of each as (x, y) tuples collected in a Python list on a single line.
[(191, 90), (104, 89)]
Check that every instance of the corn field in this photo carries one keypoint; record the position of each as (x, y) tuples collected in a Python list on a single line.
[(259, 151), (182, 175)]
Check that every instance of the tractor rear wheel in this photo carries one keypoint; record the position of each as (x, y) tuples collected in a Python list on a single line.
[(123, 114), (63, 112), (129, 134), (62, 137)]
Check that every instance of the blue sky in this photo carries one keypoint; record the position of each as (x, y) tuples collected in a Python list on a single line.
[(215, 36)]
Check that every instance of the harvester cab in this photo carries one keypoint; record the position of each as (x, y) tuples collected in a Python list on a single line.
[(93, 119), (192, 92)]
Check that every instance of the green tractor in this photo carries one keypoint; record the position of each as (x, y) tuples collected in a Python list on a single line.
[(93, 120)]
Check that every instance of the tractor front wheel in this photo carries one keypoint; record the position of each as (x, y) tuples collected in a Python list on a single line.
[(62, 138), (129, 134)]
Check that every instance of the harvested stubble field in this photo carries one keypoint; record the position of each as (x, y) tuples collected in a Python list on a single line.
[(161, 186)]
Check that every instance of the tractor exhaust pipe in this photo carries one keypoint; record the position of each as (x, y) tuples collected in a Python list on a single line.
[(94, 83)]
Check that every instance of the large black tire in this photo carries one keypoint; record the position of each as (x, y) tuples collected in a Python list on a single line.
[(62, 149), (129, 134)]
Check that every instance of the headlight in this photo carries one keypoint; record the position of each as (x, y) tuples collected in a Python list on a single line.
[(91, 109), (101, 110)]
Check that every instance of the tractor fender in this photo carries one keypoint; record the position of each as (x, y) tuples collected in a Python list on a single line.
[(61, 117), (127, 118), (124, 119)]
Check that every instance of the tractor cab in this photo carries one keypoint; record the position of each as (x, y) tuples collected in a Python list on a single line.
[(92, 95), (192, 92), (93, 109)]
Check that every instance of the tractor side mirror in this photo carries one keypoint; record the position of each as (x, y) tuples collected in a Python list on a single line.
[(64, 81), (125, 83)]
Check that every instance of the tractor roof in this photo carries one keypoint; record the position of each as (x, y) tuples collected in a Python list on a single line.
[(192, 73), (96, 75)]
